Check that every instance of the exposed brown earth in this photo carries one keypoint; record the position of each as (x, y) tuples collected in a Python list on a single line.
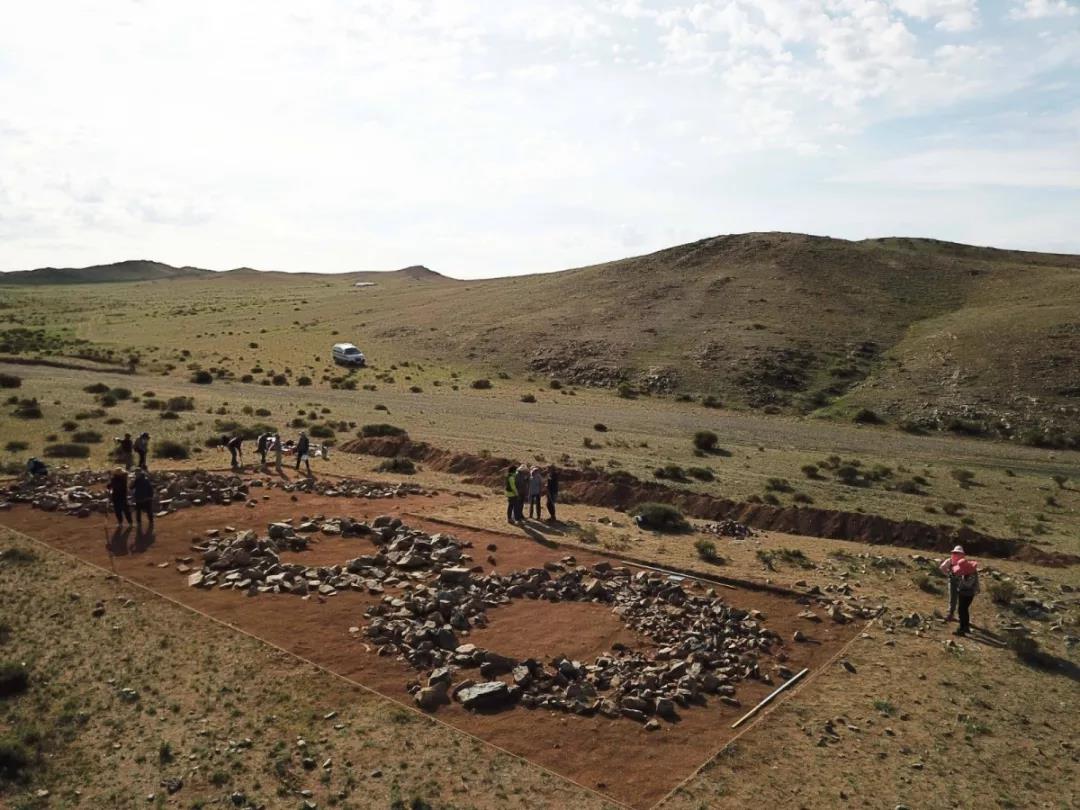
[(580, 748), (620, 491)]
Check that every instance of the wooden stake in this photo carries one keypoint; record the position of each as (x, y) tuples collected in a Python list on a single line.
[(768, 699)]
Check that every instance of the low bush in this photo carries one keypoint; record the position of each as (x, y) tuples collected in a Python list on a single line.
[(86, 437), (120, 393), (529, 398), (867, 417), (180, 404), (66, 451), (14, 679), (706, 440), (10, 381), (108, 400), (626, 391), (279, 379), (399, 465), (16, 446), (600, 427), (706, 550), (701, 473), (96, 388), (202, 377), (810, 470), (15, 760), (481, 384), (1003, 592), (381, 429), (924, 582), (660, 517), (965, 478), (321, 432), (778, 485), (711, 402), (172, 450), (28, 409), (672, 472), (555, 385)]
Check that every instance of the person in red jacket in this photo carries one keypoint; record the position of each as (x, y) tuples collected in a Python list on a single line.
[(946, 568), (967, 585)]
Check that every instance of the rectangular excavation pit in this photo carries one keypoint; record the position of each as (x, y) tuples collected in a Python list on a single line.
[(616, 757)]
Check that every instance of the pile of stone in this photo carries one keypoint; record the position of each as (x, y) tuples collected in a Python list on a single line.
[(243, 561), (728, 528), (82, 494), (705, 647)]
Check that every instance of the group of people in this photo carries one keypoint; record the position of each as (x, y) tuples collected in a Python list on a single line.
[(272, 442), (126, 448), (963, 577), (138, 489), (530, 484)]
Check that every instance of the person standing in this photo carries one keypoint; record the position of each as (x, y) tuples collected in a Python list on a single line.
[(235, 448), (552, 491), (946, 567), (262, 444), (142, 491), (536, 486), (303, 450), (511, 494), (521, 481), (142, 446), (124, 451), (118, 493), (967, 585), (279, 452)]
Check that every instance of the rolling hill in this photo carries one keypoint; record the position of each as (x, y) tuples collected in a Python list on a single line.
[(131, 270), (921, 334)]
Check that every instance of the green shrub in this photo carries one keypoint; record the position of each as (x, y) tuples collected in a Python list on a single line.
[(701, 473), (180, 404), (810, 470), (303, 381), (600, 427), (706, 440), (120, 393), (924, 582), (963, 477), (108, 400), (96, 388), (15, 760), (202, 377), (1003, 592), (528, 398), (16, 446), (279, 379), (86, 437), (660, 517), (28, 409), (711, 402), (555, 385), (671, 472), (14, 679), (381, 429), (706, 550), (778, 485), (867, 417), (321, 432), (481, 384), (952, 508), (402, 466), (66, 451), (626, 391), (10, 381), (172, 450)]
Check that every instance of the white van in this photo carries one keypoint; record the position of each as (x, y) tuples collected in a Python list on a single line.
[(345, 354)]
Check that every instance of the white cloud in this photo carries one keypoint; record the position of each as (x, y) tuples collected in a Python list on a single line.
[(487, 136), (1042, 9), (950, 15)]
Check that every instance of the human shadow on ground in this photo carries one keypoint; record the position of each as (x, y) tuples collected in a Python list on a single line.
[(544, 527), (117, 542), (537, 536), (143, 539)]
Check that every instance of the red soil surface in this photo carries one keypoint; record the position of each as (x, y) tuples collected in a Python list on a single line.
[(616, 757)]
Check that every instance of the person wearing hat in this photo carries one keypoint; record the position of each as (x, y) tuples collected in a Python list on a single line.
[(966, 573), (946, 567), (118, 491)]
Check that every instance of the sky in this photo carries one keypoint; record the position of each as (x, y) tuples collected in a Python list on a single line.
[(498, 138)]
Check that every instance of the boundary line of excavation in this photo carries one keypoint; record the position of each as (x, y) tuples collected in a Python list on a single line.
[(597, 794)]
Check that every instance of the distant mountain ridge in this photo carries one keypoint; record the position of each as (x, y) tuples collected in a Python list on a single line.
[(131, 270), (148, 270)]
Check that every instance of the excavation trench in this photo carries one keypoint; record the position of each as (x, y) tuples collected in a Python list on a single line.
[(623, 491)]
